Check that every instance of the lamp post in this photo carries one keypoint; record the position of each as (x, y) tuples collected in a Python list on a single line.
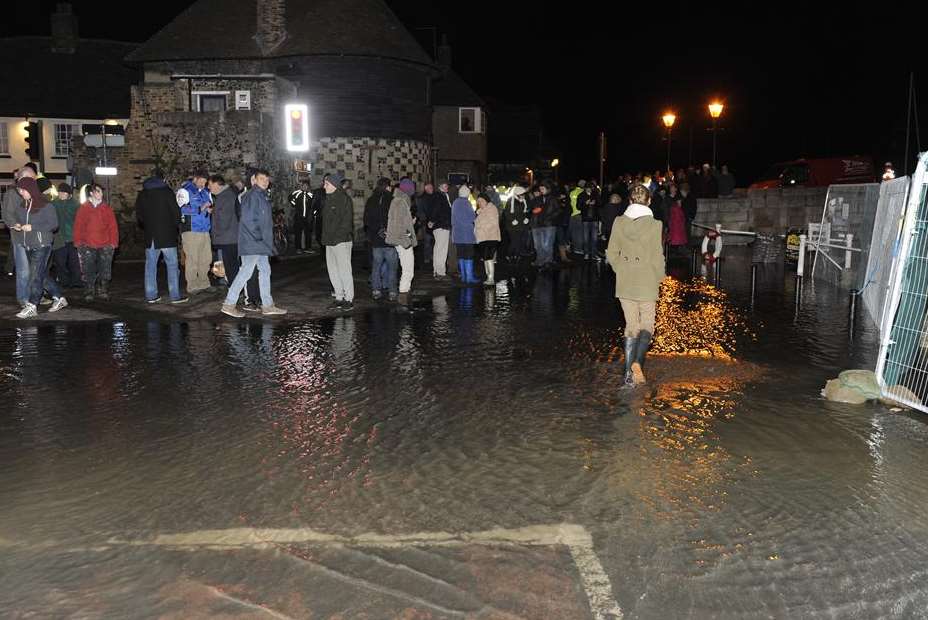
[(715, 111), (669, 118), (554, 164)]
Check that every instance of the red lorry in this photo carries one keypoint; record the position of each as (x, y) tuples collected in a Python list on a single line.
[(818, 172)]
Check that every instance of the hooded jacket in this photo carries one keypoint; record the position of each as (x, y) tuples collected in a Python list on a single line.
[(337, 218), (636, 254), (157, 214), (400, 229), (43, 219), (376, 214), (256, 228), (225, 217)]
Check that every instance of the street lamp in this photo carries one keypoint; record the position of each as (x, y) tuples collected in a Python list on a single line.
[(669, 118), (554, 164), (715, 111)]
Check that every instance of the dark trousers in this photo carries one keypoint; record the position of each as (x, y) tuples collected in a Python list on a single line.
[(231, 262), (96, 265), (67, 266), (38, 275), (302, 233), (518, 242)]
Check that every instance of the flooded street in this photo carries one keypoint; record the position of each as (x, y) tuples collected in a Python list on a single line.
[(472, 459)]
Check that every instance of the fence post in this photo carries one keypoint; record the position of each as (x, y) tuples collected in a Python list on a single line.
[(849, 242), (800, 265)]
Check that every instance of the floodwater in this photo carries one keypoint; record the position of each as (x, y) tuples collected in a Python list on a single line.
[(424, 465)]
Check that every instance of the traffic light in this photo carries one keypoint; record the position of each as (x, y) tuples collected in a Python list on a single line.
[(296, 122), (34, 141)]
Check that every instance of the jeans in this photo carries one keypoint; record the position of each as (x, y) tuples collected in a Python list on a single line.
[(152, 254), (249, 263), (440, 252), (38, 275), (232, 263), (383, 272), (590, 238), (67, 265), (407, 267), (544, 244), (338, 264), (21, 258), (576, 234), (199, 259)]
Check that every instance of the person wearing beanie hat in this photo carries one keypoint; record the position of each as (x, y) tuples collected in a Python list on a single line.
[(64, 254), (384, 259), (337, 237), (32, 234), (463, 236)]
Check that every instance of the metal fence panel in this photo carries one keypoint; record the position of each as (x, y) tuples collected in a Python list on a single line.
[(887, 228), (902, 367)]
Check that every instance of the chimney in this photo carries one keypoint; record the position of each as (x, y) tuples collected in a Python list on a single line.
[(443, 56), (271, 25), (64, 29)]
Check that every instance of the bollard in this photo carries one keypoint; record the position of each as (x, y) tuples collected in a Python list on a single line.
[(852, 311), (798, 291)]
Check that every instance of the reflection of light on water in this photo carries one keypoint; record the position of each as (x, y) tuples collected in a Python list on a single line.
[(696, 318), (678, 436)]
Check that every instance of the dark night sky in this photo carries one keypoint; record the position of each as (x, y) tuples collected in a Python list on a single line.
[(797, 79)]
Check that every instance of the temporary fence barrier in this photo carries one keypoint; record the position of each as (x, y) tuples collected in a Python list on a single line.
[(902, 365)]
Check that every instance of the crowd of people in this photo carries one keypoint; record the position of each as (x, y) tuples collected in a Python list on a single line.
[(227, 234)]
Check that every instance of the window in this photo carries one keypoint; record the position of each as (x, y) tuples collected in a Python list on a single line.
[(4, 139), (64, 134), (211, 102), (469, 120)]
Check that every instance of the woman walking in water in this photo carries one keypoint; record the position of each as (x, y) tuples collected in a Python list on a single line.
[(636, 255)]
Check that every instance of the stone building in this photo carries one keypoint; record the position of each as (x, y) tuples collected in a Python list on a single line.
[(217, 77)]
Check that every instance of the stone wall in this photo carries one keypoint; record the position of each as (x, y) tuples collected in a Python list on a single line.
[(764, 210), (364, 160)]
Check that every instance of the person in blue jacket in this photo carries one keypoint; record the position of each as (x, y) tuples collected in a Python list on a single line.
[(196, 207), (463, 236), (255, 245)]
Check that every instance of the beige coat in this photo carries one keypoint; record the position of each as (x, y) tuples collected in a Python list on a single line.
[(486, 227), (636, 254), (401, 231)]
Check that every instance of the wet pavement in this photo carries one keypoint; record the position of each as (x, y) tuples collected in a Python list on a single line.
[(472, 459)]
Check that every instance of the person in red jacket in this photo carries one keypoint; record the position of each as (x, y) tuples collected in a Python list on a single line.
[(96, 238)]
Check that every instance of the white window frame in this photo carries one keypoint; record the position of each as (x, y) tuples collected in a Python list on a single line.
[(4, 138), (198, 93), (478, 120), (75, 130)]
